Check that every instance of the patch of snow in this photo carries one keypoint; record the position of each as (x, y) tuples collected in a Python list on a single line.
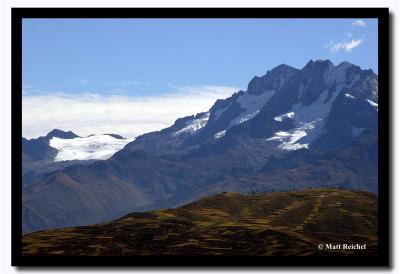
[(252, 104), (94, 147), (280, 135), (293, 146), (282, 117), (356, 131), (309, 122), (289, 139), (372, 103), (219, 134), (194, 125), (349, 96), (314, 115), (245, 118)]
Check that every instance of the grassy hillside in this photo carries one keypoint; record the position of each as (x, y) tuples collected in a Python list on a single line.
[(287, 223)]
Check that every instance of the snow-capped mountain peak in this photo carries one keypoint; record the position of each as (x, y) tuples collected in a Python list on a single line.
[(292, 106)]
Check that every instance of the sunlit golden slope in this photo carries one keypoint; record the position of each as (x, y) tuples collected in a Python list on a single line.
[(287, 223)]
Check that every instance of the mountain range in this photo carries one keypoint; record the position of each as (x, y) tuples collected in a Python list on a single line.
[(291, 129)]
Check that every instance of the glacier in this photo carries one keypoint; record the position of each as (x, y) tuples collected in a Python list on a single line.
[(94, 147)]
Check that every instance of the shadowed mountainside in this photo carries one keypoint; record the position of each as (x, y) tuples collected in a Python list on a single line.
[(282, 223)]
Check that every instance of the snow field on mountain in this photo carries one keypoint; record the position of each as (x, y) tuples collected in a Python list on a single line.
[(96, 147), (194, 125)]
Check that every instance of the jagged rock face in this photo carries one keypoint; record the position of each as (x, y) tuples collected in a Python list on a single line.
[(61, 134), (273, 80), (270, 137)]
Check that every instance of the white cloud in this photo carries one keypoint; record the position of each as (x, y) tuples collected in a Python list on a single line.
[(352, 44), (358, 23), (129, 116), (347, 45)]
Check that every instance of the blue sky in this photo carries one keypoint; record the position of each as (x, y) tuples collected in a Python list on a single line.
[(148, 58)]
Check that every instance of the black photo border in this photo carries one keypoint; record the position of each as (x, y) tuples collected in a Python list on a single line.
[(382, 14)]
